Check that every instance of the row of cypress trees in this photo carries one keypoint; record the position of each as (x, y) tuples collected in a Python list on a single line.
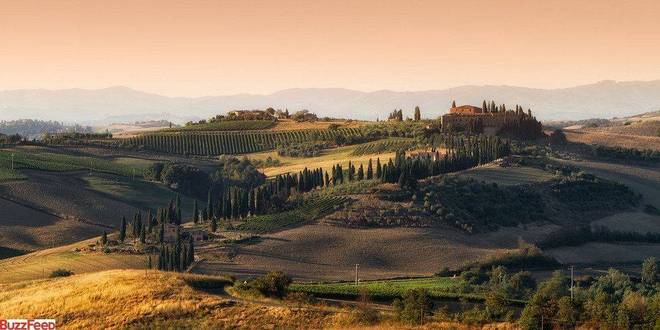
[(232, 202), (178, 255)]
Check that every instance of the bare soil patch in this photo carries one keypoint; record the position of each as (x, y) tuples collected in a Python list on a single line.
[(321, 252), (591, 253), (612, 139), (638, 222)]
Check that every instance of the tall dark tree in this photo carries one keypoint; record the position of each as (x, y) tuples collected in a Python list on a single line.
[(178, 210), (209, 205), (191, 252), (122, 229), (104, 238), (418, 114), (214, 225), (379, 169), (453, 104), (195, 212), (370, 170), (143, 235)]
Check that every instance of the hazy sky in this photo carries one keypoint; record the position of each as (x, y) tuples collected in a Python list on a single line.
[(195, 48)]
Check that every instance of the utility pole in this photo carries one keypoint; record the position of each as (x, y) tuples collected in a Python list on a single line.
[(356, 274)]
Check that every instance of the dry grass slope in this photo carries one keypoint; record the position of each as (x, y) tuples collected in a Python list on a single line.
[(40, 264), (139, 299)]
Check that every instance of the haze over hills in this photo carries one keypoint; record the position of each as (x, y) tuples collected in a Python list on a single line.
[(604, 99)]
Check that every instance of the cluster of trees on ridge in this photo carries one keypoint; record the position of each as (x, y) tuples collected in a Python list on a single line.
[(174, 255), (397, 115), (473, 206), (35, 128), (301, 149)]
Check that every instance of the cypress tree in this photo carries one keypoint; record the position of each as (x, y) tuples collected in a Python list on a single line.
[(191, 252), (418, 114), (214, 225), (149, 221), (453, 104), (370, 170), (360, 173), (209, 205), (379, 169), (149, 266), (183, 258), (122, 229), (195, 212), (104, 238), (161, 259), (143, 235), (161, 233)]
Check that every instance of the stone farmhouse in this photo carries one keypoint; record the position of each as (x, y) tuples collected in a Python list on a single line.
[(468, 115)]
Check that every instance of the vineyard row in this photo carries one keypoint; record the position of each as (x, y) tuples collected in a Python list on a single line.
[(217, 143)]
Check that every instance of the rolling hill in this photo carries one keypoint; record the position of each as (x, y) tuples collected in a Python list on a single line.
[(603, 100)]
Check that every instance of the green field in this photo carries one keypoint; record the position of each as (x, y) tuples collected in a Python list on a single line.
[(139, 164), (51, 161), (229, 125), (139, 193), (438, 287), (385, 145), (506, 175), (306, 212), (7, 174)]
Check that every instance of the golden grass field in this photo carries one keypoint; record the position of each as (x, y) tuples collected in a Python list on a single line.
[(40, 264), (139, 299), (326, 160), (288, 124)]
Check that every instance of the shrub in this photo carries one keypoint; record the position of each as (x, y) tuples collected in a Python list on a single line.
[(273, 284), (61, 272), (186, 179), (206, 282), (414, 306), (444, 272), (153, 172), (301, 149)]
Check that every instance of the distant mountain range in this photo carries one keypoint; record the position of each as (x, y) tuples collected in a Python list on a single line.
[(604, 99)]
